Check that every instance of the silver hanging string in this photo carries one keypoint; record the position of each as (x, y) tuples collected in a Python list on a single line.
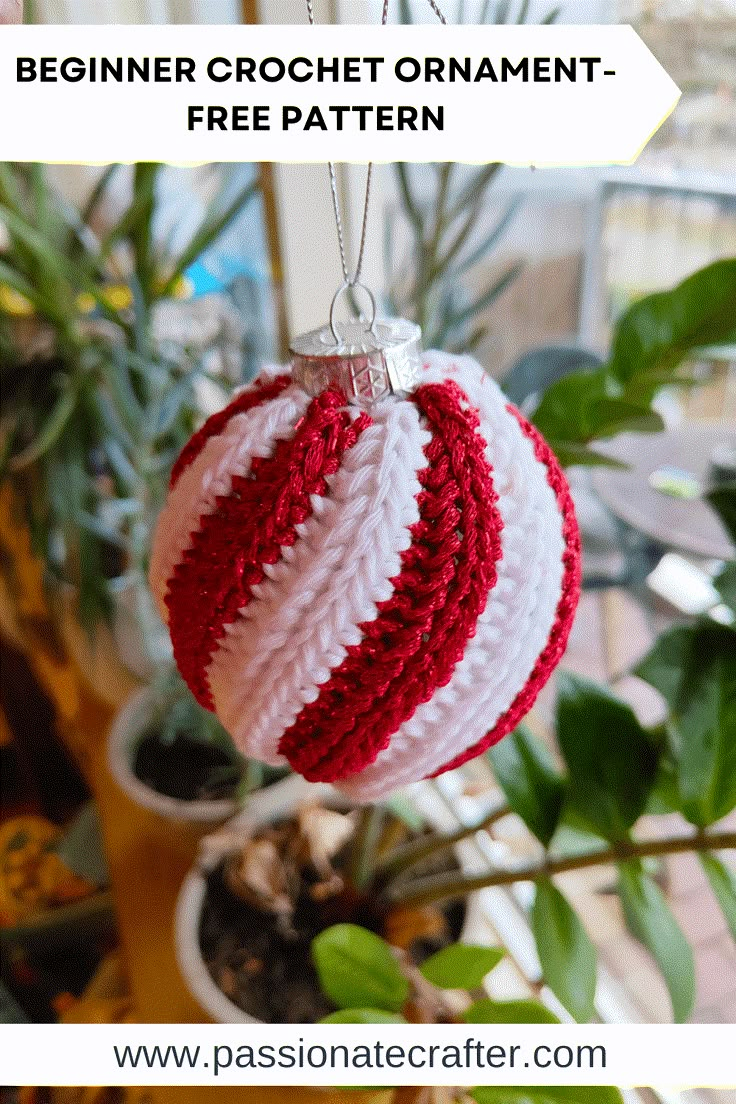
[(352, 281)]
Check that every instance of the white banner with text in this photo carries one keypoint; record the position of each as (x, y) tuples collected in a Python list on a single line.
[(542, 95), (668, 1056)]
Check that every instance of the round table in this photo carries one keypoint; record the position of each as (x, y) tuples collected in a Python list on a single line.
[(688, 524)]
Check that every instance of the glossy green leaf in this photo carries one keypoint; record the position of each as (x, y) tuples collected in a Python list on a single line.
[(658, 331), (580, 408), (564, 411), (565, 950), (723, 501), (509, 1012), (357, 969), (534, 788), (362, 1016), (611, 759), (694, 668), (557, 1094), (723, 883), (650, 920), (571, 454), (461, 966), (725, 584)]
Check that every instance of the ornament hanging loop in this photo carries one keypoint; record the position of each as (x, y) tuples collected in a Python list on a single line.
[(345, 286)]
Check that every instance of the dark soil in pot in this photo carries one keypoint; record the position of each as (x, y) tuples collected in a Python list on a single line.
[(262, 962), (183, 768)]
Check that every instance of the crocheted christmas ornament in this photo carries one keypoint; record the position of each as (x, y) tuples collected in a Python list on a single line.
[(371, 596)]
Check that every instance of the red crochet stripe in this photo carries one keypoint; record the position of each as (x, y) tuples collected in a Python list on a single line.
[(260, 392), (564, 615), (248, 529), (420, 633)]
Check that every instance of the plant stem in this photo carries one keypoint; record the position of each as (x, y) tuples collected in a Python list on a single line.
[(426, 891), (405, 857), (363, 849)]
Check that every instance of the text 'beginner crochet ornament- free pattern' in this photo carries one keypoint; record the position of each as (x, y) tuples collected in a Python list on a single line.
[(372, 596)]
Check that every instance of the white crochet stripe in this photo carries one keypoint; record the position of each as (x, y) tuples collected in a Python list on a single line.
[(253, 433), (515, 625), (295, 630)]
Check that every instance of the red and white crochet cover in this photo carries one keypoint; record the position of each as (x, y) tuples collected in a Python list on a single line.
[(371, 597)]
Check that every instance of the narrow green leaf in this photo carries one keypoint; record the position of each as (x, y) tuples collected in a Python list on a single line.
[(611, 759), (723, 883), (19, 283), (509, 1012), (551, 17), (565, 950), (362, 1016), (461, 966), (410, 204), (489, 296), (208, 232), (533, 786), (49, 432), (491, 239), (98, 191), (357, 969), (650, 920)]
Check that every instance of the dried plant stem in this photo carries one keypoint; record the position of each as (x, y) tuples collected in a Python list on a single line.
[(426, 891), (364, 846), (415, 852)]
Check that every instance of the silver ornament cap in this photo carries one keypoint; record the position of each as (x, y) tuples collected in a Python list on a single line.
[(368, 359)]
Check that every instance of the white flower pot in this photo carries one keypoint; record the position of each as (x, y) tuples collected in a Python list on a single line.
[(125, 732), (265, 807)]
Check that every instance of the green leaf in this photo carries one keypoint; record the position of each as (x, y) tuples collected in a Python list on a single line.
[(557, 1094), (526, 773), (609, 417), (461, 966), (49, 433), (656, 333), (571, 454), (723, 501), (98, 191), (509, 1012), (362, 1016), (611, 759), (208, 232), (723, 883), (694, 668), (650, 920), (357, 969), (725, 584), (565, 950), (579, 408), (496, 288), (563, 412)]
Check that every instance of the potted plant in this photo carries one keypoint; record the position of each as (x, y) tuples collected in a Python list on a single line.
[(99, 393), (585, 813), (275, 878), (175, 759)]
